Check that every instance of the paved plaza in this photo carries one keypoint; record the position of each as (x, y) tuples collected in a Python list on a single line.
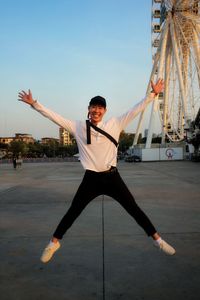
[(33, 199)]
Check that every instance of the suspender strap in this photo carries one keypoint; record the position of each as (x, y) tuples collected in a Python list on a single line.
[(88, 132), (88, 124)]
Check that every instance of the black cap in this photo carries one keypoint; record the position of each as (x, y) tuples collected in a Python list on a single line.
[(98, 100)]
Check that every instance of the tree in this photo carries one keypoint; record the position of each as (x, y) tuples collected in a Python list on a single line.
[(18, 148), (72, 149), (125, 141), (35, 150), (3, 146)]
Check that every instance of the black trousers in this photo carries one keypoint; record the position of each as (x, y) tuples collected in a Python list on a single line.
[(107, 183)]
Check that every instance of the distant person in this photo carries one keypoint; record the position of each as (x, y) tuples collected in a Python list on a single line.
[(14, 162), (98, 155)]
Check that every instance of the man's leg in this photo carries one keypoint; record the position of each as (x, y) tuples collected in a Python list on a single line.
[(117, 189), (87, 191)]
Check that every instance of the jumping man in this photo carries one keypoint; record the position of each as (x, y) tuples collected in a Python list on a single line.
[(97, 143)]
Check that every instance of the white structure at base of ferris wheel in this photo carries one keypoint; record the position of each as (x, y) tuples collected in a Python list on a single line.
[(176, 59)]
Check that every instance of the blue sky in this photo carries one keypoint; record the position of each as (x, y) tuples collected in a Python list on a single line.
[(66, 52)]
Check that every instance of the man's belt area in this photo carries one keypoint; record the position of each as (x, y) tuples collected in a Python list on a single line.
[(111, 170)]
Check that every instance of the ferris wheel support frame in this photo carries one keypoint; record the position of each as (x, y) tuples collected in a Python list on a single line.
[(166, 94), (147, 92), (155, 102), (178, 65), (196, 47)]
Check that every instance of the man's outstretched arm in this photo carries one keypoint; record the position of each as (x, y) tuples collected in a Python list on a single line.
[(132, 113), (27, 98)]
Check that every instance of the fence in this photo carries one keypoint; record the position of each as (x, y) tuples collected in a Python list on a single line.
[(41, 160)]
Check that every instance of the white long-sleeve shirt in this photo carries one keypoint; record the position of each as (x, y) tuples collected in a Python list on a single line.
[(101, 154)]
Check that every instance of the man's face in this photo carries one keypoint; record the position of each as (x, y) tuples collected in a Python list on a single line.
[(96, 113)]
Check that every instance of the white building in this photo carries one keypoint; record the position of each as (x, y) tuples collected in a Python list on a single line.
[(65, 137)]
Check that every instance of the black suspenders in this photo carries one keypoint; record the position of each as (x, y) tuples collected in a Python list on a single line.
[(89, 124)]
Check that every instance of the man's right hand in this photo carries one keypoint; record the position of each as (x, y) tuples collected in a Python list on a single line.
[(26, 97)]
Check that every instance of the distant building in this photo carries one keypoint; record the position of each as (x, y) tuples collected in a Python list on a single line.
[(24, 137), (65, 137), (6, 140), (49, 140)]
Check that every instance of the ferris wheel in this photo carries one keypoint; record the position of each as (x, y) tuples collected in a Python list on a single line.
[(176, 59)]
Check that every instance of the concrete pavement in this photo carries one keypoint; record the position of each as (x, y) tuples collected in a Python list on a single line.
[(34, 198)]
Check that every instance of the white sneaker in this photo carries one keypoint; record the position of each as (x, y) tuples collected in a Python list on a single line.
[(49, 251), (165, 247)]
